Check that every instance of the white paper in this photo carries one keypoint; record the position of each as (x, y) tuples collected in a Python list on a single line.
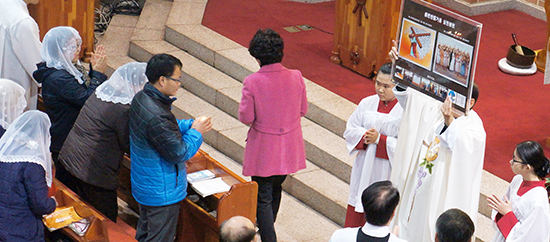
[(210, 186)]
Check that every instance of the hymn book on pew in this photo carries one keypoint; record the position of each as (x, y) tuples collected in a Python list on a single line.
[(205, 183), (66, 216)]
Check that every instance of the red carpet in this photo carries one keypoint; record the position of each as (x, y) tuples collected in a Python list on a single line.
[(513, 108)]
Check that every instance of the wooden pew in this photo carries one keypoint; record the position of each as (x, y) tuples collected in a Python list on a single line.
[(100, 229), (195, 223)]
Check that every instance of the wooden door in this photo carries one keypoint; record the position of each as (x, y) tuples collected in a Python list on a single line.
[(362, 43), (78, 14)]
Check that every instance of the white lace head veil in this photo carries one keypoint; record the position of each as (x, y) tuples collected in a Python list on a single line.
[(59, 46), (125, 82), (28, 140), (12, 102)]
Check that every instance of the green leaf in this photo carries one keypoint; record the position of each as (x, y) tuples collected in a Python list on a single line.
[(429, 166)]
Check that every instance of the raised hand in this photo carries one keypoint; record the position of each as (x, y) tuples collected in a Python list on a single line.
[(447, 110), (393, 52), (99, 59), (501, 206)]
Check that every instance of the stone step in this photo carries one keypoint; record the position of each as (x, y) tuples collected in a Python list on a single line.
[(117, 41), (228, 136), (484, 228), (321, 191), (490, 184), (323, 147)]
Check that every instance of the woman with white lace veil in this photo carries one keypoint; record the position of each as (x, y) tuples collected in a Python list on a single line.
[(25, 175), (12, 103), (91, 157), (66, 84)]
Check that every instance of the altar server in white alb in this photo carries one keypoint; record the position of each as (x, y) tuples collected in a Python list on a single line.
[(19, 46), (371, 134), (439, 163), (522, 213)]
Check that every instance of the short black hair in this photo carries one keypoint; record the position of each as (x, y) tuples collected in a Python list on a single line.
[(454, 226), (531, 152), (267, 46), (161, 65), (385, 69), (475, 92), (379, 202), (242, 234)]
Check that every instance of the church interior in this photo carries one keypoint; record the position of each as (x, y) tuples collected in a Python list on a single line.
[(211, 37)]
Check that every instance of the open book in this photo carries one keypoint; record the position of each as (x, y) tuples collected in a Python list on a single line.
[(210, 186)]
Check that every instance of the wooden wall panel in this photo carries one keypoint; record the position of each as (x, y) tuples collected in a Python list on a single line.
[(78, 14)]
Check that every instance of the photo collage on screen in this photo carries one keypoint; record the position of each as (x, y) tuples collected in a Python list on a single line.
[(436, 51)]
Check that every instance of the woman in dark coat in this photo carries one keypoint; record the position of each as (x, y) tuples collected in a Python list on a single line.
[(25, 175), (90, 160), (66, 84)]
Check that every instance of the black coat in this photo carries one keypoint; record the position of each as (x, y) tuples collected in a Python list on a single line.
[(23, 201), (64, 97)]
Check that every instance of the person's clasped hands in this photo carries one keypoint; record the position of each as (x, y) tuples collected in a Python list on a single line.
[(202, 124), (371, 136)]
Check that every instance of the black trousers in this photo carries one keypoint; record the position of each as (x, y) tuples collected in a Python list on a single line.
[(157, 223), (104, 200), (269, 200)]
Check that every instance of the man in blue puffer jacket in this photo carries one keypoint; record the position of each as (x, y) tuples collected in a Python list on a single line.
[(159, 146)]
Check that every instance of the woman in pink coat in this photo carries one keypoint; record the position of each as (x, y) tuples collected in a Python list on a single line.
[(273, 101)]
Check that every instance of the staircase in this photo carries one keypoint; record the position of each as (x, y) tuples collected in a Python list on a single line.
[(315, 199)]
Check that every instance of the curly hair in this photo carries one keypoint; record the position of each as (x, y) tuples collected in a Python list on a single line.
[(267, 46)]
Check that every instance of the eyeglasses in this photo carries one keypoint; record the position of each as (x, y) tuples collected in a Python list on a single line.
[(173, 79), (517, 161)]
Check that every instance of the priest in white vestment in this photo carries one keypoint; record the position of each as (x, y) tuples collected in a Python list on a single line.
[(19, 46), (448, 175), (371, 135)]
